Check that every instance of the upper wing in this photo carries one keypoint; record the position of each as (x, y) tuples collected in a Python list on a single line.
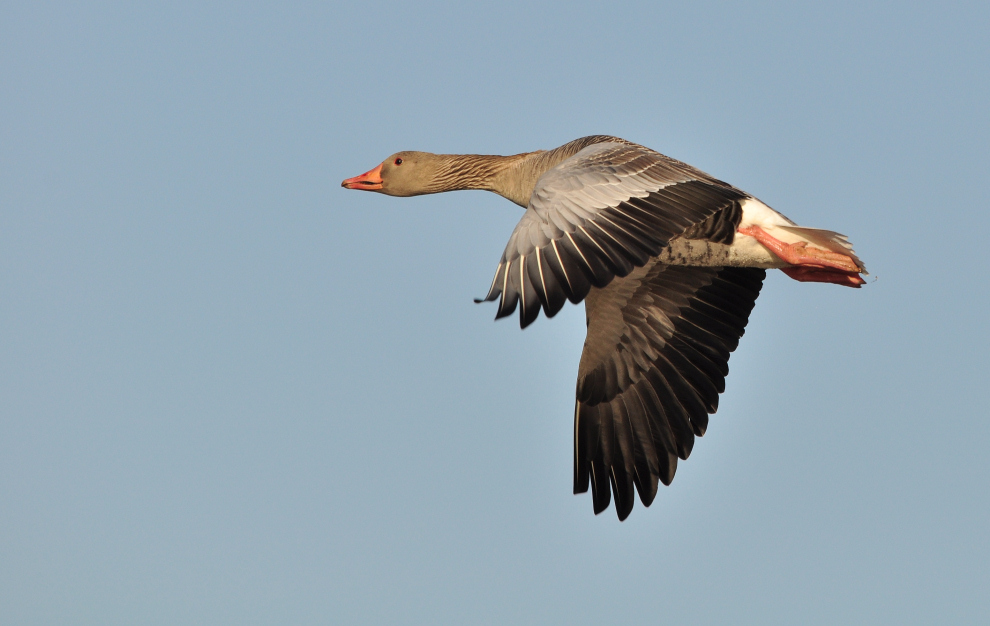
[(653, 365), (597, 215)]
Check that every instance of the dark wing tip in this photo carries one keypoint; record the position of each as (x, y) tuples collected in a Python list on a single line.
[(629, 436), (496, 287), (528, 315), (601, 490), (625, 495)]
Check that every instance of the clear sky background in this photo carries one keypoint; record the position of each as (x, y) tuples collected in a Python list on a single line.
[(232, 392)]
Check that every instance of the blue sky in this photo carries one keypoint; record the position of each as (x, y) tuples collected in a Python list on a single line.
[(235, 393)]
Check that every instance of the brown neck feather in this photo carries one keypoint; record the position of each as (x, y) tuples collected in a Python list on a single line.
[(512, 177), (472, 171)]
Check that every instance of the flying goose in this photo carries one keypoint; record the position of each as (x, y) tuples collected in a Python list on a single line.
[(669, 262)]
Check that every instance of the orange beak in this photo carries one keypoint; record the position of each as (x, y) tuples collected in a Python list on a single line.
[(369, 181)]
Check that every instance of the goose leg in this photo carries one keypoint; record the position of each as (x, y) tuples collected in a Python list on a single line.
[(812, 264)]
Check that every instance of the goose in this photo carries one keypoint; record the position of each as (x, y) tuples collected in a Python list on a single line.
[(669, 262)]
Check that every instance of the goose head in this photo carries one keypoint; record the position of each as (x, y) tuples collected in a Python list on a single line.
[(403, 174)]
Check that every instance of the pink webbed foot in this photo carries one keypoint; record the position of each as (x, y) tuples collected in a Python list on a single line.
[(810, 274), (811, 264)]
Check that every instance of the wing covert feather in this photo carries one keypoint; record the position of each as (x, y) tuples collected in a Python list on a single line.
[(601, 213)]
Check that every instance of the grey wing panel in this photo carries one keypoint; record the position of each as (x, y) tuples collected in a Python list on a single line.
[(597, 215), (653, 366)]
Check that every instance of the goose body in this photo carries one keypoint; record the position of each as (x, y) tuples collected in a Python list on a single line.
[(669, 262)]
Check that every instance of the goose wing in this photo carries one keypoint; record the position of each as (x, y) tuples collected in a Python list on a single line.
[(653, 366), (609, 208)]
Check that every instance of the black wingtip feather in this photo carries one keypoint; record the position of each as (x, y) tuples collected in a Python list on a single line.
[(644, 453), (581, 476), (507, 305), (576, 279), (601, 492), (530, 302), (496, 287), (648, 485), (625, 497)]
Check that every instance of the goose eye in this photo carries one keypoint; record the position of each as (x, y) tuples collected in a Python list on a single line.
[(398, 161)]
